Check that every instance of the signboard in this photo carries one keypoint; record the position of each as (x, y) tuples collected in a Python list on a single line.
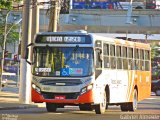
[(58, 39), (71, 71)]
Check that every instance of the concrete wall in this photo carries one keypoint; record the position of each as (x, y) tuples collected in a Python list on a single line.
[(143, 21)]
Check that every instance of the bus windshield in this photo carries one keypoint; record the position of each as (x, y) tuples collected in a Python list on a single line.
[(62, 61)]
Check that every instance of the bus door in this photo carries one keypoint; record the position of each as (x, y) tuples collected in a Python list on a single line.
[(98, 62)]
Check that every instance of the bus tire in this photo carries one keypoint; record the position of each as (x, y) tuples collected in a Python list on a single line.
[(85, 107), (124, 107), (131, 106), (107, 97), (51, 107), (100, 108)]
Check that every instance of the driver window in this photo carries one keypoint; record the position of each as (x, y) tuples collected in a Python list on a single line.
[(98, 59)]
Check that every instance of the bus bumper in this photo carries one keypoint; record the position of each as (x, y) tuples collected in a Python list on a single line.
[(81, 99)]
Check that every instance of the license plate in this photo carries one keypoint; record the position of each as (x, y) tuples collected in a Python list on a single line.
[(60, 97)]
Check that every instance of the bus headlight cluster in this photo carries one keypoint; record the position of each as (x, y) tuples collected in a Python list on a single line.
[(36, 88), (87, 88)]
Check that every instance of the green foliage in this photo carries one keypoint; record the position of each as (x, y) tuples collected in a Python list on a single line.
[(64, 7), (155, 52), (155, 61), (7, 4), (12, 36)]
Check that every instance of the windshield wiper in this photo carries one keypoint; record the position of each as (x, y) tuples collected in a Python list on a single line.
[(74, 50)]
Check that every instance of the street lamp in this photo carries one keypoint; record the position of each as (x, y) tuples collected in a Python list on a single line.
[(4, 44)]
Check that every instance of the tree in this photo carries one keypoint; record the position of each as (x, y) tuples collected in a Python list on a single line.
[(155, 52), (12, 35), (155, 56), (64, 7), (7, 4), (5, 7)]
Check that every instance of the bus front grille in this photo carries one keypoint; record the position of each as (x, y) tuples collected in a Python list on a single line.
[(48, 95), (67, 82)]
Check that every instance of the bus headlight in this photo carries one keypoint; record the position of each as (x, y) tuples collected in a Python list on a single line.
[(36, 88), (87, 88)]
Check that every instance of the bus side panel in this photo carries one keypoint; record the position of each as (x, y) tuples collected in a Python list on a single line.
[(143, 83), (132, 78), (120, 83), (123, 83)]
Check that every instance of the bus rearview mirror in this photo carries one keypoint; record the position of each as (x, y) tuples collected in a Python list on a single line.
[(27, 53)]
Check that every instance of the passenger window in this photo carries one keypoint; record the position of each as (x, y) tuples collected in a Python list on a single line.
[(112, 56), (125, 61), (119, 59)]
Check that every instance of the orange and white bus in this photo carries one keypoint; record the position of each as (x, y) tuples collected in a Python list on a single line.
[(79, 68)]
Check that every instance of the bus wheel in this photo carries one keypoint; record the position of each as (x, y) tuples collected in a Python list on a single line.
[(100, 108), (51, 107), (107, 101), (133, 105), (85, 107), (124, 107)]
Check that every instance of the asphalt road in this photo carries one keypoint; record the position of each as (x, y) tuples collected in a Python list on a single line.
[(149, 109)]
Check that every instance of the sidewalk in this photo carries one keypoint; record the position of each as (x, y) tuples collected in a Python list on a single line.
[(9, 98), (10, 101)]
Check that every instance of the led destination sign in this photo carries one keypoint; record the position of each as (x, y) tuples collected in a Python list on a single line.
[(63, 39)]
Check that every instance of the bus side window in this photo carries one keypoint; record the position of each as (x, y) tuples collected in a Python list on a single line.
[(147, 59), (134, 60), (112, 56), (137, 57), (125, 62), (130, 59), (119, 59), (98, 60), (141, 59), (106, 55)]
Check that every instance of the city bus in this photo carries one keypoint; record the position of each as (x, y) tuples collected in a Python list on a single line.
[(89, 71)]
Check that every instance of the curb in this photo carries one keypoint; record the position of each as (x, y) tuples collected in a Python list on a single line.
[(19, 107)]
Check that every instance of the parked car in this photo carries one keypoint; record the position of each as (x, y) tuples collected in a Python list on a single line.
[(155, 87)]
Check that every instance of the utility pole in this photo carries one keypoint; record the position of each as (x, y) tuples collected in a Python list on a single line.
[(54, 15), (35, 19), (129, 13), (25, 70)]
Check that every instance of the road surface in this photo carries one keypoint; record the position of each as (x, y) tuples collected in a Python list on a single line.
[(149, 109)]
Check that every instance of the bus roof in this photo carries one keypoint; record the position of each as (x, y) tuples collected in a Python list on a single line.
[(96, 36), (78, 32), (117, 41)]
